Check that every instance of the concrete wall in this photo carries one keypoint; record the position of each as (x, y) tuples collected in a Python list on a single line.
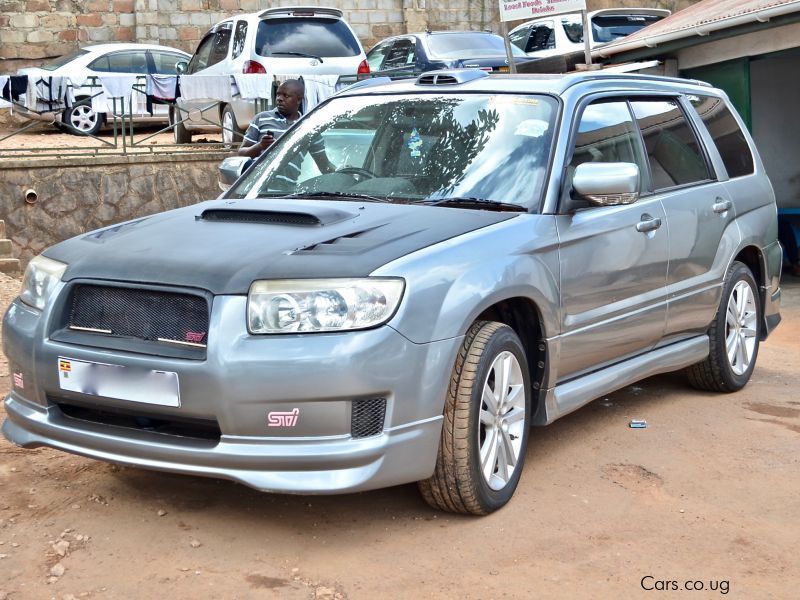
[(34, 30), (76, 195)]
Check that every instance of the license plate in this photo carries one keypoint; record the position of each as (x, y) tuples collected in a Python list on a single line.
[(122, 383), (503, 70)]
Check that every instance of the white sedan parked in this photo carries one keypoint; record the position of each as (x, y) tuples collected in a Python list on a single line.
[(108, 60)]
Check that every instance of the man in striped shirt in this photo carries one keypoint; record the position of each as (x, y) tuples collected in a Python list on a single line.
[(268, 126)]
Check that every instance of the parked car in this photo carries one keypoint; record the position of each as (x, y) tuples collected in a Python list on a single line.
[(563, 34), (490, 253), (107, 59), (295, 41), (412, 54)]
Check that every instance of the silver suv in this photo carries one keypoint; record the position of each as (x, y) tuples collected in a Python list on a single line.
[(476, 255)]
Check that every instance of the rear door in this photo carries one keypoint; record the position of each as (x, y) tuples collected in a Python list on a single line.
[(613, 258), (126, 62), (699, 211), (210, 58)]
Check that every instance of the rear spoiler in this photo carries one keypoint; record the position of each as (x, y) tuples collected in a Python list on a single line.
[(301, 11)]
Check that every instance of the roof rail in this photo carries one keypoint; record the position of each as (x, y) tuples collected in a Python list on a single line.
[(366, 83), (450, 77), (581, 77), (290, 10)]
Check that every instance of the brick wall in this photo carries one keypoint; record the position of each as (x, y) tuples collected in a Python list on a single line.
[(34, 30)]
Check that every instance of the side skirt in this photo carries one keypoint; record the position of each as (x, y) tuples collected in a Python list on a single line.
[(570, 396)]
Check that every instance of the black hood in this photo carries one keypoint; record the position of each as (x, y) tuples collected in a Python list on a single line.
[(224, 245)]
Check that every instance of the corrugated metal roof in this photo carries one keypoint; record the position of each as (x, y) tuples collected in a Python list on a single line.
[(700, 19)]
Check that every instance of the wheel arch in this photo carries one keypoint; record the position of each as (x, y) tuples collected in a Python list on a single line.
[(524, 317)]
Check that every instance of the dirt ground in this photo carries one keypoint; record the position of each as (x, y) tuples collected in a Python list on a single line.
[(707, 493)]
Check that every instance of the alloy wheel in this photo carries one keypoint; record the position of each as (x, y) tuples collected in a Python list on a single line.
[(741, 327), (82, 118)]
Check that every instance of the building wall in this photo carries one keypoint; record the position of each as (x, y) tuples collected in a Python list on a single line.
[(79, 194), (34, 30)]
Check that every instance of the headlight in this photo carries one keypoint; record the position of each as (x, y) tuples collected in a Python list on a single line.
[(298, 305), (41, 277)]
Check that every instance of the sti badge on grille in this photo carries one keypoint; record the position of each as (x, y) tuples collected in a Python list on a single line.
[(283, 418)]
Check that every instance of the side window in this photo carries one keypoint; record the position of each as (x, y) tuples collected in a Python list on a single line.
[(518, 38), (376, 56), (726, 133), (222, 39), (122, 62), (401, 55), (543, 37), (607, 133), (573, 30), (165, 63), (200, 59), (672, 148), (239, 38)]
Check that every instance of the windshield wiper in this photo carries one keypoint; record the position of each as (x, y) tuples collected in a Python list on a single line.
[(343, 195), (303, 54), (481, 203)]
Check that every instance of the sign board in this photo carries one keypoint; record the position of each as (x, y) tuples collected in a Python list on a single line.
[(514, 10)]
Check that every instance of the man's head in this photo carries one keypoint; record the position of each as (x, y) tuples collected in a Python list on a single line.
[(288, 97)]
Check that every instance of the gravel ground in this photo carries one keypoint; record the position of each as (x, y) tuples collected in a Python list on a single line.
[(706, 494)]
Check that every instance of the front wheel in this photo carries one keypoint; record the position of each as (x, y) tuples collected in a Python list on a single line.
[(486, 424), (230, 128), (733, 336)]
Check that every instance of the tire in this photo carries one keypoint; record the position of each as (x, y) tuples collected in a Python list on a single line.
[(229, 126), (459, 484), (80, 119), (179, 132), (738, 324)]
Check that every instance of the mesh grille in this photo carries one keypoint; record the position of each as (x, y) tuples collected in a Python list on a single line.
[(255, 216), (367, 417), (140, 314)]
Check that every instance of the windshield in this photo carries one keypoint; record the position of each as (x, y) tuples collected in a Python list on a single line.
[(468, 45), (313, 37), (414, 148), (607, 28), (52, 65)]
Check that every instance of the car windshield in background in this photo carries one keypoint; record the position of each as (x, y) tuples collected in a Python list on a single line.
[(432, 148), (607, 28), (318, 37), (468, 45), (54, 64)]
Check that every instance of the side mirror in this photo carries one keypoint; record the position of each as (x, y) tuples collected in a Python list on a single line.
[(607, 184), (181, 67), (231, 169)]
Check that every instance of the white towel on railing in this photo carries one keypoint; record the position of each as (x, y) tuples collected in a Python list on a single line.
[(162, 86), (318, 89), (254, 86), (206, 87)]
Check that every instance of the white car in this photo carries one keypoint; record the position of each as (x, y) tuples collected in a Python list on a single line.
[(293, 40), (562, 34), (102, 60)]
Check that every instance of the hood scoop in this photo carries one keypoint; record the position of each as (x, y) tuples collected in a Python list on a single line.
[(317, 218)]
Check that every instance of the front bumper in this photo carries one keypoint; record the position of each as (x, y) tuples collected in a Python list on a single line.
[(242, 379)]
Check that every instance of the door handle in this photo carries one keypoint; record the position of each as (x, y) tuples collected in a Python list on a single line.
[(721, 206), (648, 223)]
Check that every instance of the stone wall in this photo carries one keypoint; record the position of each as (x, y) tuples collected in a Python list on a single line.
[(76, 195), (34, 30)]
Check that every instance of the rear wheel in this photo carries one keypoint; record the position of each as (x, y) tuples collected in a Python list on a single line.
[(733, 336), (229, 127), (179, 132), (486, 424), (80, 119)]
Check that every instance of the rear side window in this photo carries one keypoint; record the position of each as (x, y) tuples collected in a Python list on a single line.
[(121, 62), (543, 37), (401, 55), (673, 151), (239, 38), (316, 37), (219, 50), (726, 133)]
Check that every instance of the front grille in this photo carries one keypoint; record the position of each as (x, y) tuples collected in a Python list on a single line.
[(150, 315), (203, 429), (367, 417)]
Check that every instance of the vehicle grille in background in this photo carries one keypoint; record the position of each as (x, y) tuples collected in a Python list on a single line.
[(140, 314), (367, 417), (259, 216), (203, 429)]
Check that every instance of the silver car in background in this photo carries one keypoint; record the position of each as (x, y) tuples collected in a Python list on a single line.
[(485, 254)]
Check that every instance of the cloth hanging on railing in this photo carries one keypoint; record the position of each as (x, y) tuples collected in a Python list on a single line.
[(3, 83), (206, 87), (254, 86), (162, 87), (318, 89), (50, 93)]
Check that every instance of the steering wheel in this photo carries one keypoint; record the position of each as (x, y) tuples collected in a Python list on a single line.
[(358, 172)]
